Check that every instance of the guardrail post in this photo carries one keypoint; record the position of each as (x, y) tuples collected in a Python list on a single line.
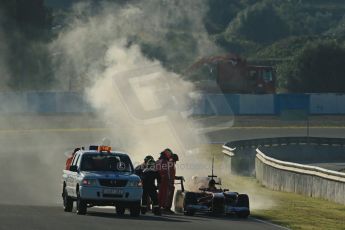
[(228, 154)]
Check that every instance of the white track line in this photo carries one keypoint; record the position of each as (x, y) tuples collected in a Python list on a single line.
[(269, 223)]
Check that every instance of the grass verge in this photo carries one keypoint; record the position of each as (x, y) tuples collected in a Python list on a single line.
[(292, 210)]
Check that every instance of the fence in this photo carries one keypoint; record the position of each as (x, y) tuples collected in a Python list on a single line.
[(43, 102), (270, 104), (208, 104)]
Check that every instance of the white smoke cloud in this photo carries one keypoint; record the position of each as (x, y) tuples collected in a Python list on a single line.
[(125, 87), (89, 35)]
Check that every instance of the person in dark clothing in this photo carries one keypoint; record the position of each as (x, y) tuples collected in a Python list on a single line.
[(212, 186), (139, 169), (139, 172), (149, 178)]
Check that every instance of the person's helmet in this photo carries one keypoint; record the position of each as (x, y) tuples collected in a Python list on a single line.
[(211, 183), (148, 158), (175, 157), (151, 163), (168, 150), (106, 142), (167, 153)]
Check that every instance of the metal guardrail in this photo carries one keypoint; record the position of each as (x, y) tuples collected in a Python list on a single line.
[(254, 143), (300, 168), (228, 151), (301, 179), (244, 162), (292, 177)]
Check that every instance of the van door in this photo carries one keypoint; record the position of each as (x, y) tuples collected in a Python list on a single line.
[(72, 176)]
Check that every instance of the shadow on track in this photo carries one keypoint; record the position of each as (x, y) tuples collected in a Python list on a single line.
[(205, 217), (148, 217), (178, 218)]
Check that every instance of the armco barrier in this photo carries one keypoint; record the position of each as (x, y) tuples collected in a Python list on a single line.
[(244, 151), (301, 179), (254, 143)]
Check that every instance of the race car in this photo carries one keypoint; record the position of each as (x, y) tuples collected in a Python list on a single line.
[(210, 200)]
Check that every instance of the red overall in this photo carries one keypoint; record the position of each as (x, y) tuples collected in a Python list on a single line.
[(171, 189), (69, 162), (163, 190)]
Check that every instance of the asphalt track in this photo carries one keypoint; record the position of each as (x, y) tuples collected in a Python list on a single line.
[(37, 218), (27, 203)]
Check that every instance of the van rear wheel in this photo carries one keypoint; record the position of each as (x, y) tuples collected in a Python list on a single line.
[(81, 205), (67, 201)]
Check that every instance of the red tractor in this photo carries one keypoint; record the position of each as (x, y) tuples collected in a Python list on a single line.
[(232, 74)]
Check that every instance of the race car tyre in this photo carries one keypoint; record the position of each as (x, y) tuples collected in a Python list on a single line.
[(243, 201), (135, 211), (242, 214), (190, 198), (120, 211), (67, 201), (179, 201), (81, 205), (217, 206)]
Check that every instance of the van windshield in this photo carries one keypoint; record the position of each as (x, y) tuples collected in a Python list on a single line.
[(109, 162)]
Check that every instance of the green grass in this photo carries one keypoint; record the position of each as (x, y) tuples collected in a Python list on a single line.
[(297, 211), (287, 209)]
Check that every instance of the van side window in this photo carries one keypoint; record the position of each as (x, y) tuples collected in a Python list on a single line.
[(75, 159), (78, 160)]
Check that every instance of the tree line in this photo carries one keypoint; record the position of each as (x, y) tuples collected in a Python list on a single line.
[(306, 36)]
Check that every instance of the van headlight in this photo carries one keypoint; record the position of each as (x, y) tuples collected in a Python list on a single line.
[(134, 183), (89, 182)]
